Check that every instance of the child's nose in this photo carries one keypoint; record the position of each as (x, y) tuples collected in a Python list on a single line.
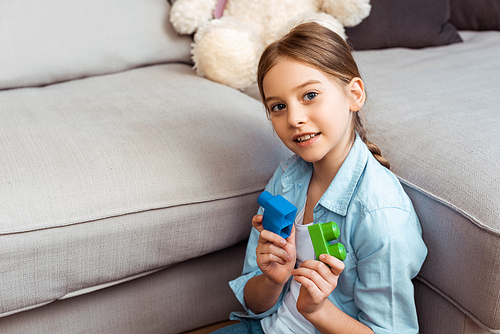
[(296, 117)]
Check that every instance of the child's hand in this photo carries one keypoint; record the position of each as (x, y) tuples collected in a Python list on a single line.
[(318, 281), (275, 256)]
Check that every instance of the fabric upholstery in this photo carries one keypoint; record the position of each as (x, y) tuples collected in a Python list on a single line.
[(475, 14), (186, 296), (409, 23), (450, 320), (49, 41), (108, 177), (434, 117)]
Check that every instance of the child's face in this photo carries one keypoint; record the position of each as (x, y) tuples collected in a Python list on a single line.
[(310, 111)]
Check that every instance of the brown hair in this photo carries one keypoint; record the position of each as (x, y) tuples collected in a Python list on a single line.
[(326, 51)]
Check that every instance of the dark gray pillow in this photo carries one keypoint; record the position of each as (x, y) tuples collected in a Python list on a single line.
[(475, 14), (404, 23)]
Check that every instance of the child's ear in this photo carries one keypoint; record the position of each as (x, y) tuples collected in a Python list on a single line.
[(357, 94)]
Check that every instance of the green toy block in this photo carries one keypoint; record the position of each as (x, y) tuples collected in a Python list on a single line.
[(321, 236)]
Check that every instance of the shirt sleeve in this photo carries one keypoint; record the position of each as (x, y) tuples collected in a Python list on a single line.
[(250, 270), (250, 267), (390, 252)]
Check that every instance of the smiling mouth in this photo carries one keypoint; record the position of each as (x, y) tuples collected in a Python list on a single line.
[(306, 137)]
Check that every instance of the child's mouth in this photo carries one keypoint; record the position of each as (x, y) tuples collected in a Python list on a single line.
[(306, 137)]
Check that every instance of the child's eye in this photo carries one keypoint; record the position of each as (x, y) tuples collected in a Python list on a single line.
[(278, 107), (309, 96)]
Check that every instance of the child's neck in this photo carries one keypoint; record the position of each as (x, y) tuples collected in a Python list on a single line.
[(323, 175), (317, 186), (324, 172)]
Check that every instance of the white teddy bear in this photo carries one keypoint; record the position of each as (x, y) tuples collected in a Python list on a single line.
[(231, 34)]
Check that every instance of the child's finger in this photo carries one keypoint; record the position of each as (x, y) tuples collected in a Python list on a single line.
[(268, 236), (323, 276), (291, 238), (310, 285), (257, 222), (269, 257), (272, 253), (336, 266), (269, 248), (319, 275)]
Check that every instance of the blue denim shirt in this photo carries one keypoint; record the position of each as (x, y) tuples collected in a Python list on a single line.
[(379, 229)]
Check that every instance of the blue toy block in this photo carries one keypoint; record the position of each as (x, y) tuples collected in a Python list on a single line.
[(279, 214), (321, 236)]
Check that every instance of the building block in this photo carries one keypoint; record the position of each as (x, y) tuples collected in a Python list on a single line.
[(279, 214), (322, 234)]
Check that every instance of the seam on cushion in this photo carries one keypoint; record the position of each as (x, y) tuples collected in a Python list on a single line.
[(457, 305), (97, 287), (85, 291), (27, 308), (451, 206), (133, 211)]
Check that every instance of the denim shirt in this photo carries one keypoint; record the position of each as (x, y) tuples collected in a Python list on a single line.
[(379, 229)]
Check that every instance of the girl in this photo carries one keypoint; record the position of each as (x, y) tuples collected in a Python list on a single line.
[(313, 93)]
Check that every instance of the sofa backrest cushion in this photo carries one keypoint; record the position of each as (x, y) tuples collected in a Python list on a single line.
[(44, 42), (475, 14), (409, 23)]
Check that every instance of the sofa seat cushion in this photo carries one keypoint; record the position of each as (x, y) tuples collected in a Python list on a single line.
[(110, 177), (434, 113)]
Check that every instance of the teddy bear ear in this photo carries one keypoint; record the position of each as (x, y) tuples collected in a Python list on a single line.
[(219, 8), (348, 12), (187, 16), (227, 51)]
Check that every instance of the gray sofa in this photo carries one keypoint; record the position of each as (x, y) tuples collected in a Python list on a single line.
[(436, 113), (127, 183)]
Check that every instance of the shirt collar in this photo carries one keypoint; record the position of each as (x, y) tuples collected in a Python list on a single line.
[(339, 194)]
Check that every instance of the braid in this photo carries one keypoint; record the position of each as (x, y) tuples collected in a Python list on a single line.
[(361, 130)]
